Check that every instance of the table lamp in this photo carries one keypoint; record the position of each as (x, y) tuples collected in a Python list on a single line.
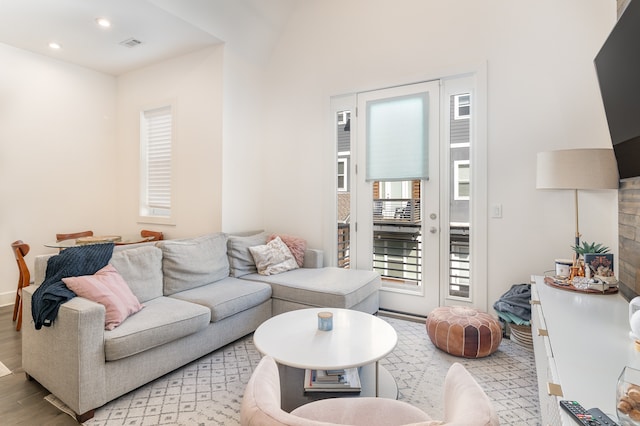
[(575, 169)]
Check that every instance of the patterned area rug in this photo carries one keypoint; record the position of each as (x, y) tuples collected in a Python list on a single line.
[(209, 391)]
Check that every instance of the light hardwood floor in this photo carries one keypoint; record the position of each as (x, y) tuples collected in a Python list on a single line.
[(22, 401)]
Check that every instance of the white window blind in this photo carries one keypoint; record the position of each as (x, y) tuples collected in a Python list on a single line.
[(397, 138), (157, 130)]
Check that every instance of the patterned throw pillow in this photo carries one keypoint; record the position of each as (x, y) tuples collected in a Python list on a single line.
[(273, 258)]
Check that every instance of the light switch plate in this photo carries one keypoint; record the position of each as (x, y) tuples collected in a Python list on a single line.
[(496, 211)]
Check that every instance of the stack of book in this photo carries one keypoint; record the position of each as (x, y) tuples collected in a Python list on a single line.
[(340, 380)]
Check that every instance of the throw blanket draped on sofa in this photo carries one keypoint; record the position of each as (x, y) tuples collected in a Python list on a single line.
[(71, 262)]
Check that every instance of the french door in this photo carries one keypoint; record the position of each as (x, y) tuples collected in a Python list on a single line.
[(397, 194), (424, 231)]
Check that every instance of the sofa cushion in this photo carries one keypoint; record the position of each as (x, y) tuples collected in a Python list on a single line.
[(164, 319), (107, 288), (240, 259), (141, 268), (227, 297), (273, 257), (193, 262), (322, 287)]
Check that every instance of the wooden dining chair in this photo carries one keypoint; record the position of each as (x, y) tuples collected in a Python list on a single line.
[(155, 235), (62, 237), (20, 250)]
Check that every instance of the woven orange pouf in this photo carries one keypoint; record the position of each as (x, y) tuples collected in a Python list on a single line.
[(463, 331)]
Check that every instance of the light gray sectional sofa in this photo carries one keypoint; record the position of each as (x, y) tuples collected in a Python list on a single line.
[(199, 294)]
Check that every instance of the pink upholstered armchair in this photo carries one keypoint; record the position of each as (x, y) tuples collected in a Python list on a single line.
[(465, 404)]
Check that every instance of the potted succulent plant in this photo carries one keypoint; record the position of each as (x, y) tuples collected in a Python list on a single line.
[(586, 247)]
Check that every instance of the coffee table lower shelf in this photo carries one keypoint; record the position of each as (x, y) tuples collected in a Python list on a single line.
[(293, 394)]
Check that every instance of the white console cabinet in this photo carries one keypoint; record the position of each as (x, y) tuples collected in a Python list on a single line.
[(581, 344)]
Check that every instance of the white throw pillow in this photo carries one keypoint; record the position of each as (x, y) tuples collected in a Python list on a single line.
[(273, 258)]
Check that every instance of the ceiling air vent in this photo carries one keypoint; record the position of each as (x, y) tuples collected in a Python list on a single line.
[(130, 42)]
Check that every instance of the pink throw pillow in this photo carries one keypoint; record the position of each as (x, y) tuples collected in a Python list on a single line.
[(108, 288), (296, 245)]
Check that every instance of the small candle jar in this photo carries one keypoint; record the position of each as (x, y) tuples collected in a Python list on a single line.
[(325, 321)]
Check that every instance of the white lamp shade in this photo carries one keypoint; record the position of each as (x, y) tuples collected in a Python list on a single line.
[(577, 169)]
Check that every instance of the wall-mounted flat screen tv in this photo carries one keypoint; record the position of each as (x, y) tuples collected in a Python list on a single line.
[(618, 69)]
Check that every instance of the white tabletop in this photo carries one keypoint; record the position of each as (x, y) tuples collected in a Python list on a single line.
[(357, 339), (590, 340)]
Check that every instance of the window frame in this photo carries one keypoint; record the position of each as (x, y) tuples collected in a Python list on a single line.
[(457, 181), (458, 105), (343, 117), (345, 174)]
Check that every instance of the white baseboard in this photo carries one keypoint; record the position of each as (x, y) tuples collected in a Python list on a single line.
[(8, 299)]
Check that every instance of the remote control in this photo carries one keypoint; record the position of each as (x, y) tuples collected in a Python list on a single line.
[(578, 413), (602, 417)]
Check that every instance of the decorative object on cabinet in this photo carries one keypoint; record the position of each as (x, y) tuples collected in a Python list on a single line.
[(595, 287), (634, 318), (628, 397), (599, 264)]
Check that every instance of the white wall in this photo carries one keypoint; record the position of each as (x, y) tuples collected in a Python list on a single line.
[(542, 95), (194, 83), (256, 159), (57, 132), (69, 161), (249, 31), (244, 145)]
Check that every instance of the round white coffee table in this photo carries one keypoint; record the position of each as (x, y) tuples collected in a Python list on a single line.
[(357, 339)]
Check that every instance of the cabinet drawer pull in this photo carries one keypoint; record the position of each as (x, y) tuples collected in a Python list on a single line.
[(542, 332), (554, 389), (534, 302)]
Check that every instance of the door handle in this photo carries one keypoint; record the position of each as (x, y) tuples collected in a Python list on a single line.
[(433, 229)]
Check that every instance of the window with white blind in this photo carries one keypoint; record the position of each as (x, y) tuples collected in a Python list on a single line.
[(156, 136)]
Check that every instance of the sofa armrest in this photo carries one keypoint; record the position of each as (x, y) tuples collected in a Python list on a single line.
[(40, 268), (313, 258), (67, 358)]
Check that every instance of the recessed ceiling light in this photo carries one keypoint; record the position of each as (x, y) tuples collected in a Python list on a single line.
[(103, 22), (55, 45)]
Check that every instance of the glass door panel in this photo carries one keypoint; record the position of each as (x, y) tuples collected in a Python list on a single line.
[(343, 187), (398, 194)]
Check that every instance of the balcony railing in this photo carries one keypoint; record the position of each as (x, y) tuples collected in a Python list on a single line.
[(459, 256), (344, 241), (397, 254), (396, 210)]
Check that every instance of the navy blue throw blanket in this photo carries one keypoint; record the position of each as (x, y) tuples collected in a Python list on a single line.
[(71, 262)]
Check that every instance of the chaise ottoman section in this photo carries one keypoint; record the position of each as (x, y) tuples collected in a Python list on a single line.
[(328, 287)]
